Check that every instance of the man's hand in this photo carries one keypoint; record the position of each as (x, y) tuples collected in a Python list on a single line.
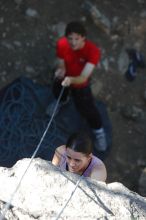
[(67, 81), (59, 73)]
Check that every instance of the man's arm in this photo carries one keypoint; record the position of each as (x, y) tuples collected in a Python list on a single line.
[(85, 74)]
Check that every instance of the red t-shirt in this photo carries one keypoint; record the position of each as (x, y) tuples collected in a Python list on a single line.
[(75, 60)]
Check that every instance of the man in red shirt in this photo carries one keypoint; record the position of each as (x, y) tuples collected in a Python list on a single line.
[(77, 58)]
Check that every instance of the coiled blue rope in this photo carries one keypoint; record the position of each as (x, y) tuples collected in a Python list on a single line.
[(23, 120)]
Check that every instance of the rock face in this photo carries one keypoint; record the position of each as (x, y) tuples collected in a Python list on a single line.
[(142, 182), (44, 191)]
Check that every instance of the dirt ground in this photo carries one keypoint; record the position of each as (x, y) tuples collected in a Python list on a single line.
[(27, 42)]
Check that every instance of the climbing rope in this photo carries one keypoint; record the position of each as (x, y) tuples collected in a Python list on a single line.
[(71, 195), (8, 204)]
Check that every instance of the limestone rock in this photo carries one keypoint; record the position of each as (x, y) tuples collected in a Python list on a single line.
[(44, 190), (142, 183)]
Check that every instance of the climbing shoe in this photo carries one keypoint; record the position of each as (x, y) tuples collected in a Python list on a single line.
[(131, 72), (137, 58)]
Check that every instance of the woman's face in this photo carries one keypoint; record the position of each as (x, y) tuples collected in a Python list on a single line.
[(76, 41), (77, 162)]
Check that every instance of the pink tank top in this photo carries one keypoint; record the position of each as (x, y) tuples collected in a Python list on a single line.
[(95, 161)]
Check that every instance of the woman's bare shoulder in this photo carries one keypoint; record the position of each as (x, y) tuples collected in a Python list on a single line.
[(61, 149), (99, 172)]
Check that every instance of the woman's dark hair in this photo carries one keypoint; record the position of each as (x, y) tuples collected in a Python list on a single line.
[(75, 27), (80, 142)]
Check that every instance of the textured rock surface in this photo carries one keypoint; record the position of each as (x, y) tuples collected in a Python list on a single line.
[(142, 183), (44, 190)]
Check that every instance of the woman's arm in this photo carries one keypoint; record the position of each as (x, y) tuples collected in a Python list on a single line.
[(99, 173), (58, 154)]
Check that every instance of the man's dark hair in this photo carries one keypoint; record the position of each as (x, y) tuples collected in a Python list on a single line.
[(75, 27), (80, 142)]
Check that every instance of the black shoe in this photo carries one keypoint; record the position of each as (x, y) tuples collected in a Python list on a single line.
[(131, 72), (137, 58)]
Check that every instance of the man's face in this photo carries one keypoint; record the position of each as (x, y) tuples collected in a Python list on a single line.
[(76, 41), (76, 161)]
